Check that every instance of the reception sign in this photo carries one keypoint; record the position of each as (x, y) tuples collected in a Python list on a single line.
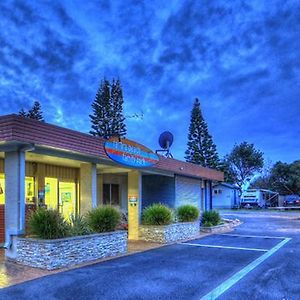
[(130, 153)]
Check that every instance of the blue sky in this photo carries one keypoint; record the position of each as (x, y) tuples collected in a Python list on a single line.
[(240, 58)]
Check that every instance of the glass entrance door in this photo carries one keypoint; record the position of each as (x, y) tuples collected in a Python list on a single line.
[(67, 198)]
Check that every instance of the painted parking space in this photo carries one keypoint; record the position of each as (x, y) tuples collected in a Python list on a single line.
[(178, 271), (240, 242), (222, 242)]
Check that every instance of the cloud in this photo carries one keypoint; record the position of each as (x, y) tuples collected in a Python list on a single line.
[(241, 60)]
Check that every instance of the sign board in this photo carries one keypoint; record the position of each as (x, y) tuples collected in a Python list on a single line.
[(130, 153), (132, 199)]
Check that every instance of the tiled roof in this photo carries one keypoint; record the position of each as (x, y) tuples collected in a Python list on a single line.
[(20, 129)]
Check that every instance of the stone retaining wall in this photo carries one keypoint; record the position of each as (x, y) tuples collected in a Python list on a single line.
[(54, 254), (169, 233), (216, 229)]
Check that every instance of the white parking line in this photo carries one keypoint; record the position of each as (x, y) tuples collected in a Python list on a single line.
[(224, 247), (256, 236), (223, 287)]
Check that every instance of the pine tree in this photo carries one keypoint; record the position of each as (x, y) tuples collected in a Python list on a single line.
[(101, 118), (36, 112), (117, 101), (201, 149), (22, 113), (107, 118)]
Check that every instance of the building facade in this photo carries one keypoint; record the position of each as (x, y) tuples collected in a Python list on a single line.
[(225, 195), (46, 165)]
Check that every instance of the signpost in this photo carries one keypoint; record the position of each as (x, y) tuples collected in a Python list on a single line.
[(130, 153)]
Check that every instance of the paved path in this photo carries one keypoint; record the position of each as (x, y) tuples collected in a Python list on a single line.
[(256, 261)]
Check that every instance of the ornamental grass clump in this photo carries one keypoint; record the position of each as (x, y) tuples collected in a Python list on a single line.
[(211, 218), (157, 214), (48, 224), (79, 225), (103, 218), (187, 213)]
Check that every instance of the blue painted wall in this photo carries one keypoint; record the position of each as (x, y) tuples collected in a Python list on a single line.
[(158, 189)]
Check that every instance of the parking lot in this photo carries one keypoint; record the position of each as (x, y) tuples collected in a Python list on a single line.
[(247, 263)]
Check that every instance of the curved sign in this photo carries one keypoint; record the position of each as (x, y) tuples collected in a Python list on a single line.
[(130, 153)]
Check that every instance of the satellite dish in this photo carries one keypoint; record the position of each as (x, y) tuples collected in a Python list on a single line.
[(165, 141)]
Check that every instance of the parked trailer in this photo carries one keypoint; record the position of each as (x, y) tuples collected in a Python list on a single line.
[(259, 198)]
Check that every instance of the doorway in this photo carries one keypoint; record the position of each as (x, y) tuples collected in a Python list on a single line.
[(61, 195)]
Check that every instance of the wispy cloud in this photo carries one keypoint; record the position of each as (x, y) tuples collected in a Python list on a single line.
[(242, 60)]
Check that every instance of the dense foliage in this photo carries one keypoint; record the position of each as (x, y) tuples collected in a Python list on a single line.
[(104, 218), (283, 178), (157, 214), (201, 149), (187, 213), (210, 218), (79, 226), (243, 163), (48, 224), (107, 118)]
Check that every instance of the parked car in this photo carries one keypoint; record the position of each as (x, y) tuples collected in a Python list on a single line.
[(291, 200)]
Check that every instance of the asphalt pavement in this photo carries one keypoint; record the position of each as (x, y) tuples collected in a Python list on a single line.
[(259, 260)]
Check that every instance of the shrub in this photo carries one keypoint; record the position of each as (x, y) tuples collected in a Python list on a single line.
[(211, 218), (48, 224), (104, 218), (187, 213), (79, 226), (157, 214)]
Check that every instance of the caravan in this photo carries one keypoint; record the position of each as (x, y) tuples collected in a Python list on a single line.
[(259, 198)]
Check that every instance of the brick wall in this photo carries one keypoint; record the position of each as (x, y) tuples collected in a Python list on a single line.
[(157, 188), (188, 191)]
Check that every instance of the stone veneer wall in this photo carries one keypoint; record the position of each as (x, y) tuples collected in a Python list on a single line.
[(169, 233), (54, 254)]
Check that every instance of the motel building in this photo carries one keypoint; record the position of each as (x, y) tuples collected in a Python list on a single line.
[(58, 168)]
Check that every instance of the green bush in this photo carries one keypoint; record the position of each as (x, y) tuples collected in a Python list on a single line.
[(157, 214), (187, 213), (211, 218), (79, 226), (104, 218), (48, 224)]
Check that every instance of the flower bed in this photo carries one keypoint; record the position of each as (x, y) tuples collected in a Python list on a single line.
[(58, 253), (169, 233)]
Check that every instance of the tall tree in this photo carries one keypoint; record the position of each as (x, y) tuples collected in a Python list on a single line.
[(283, 178), (34, 113), (200, 147), (117, 101), (22, 113), (101, 118), (245, 161), (229, 174)]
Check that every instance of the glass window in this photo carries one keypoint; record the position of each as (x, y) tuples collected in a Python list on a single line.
[(2, 189), (51, 189), (29, 190), (111, 194), (106, 194)]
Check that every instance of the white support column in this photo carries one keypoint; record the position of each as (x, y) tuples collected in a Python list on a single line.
[(88, 187), (14, 198)]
